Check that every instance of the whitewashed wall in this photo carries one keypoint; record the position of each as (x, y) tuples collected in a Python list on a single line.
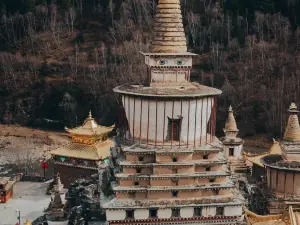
[(233, 211), (62, 196), (190, 113), (115, 215), (237, 152), (187, 212), (141, 214), (164, 213), (65, 222), (209, 211)]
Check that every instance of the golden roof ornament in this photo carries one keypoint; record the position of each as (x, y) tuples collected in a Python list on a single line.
[(89, 128), (230, 124), (169, 36), (292, 130), (27, 222)]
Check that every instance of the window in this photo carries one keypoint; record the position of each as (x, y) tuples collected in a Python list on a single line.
[(162, 62), (175, 212), (131, 194), (220, 211), (174, 129), (141, 159), (174, 171), (129, 214), (205, 156), (231, 151), (212, 180), (207, 169), (215, 192), (153, 213), (136, 183), (179, 62), (197, 211), (174, 193), (174, 159), (138, 170)]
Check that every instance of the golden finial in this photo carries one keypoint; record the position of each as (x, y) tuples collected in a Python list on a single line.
[(27, 222)]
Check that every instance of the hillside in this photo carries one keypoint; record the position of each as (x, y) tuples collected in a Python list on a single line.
[(59, 59)]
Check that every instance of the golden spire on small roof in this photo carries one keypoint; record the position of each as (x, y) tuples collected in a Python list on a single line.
[(230, 124), (90, 128), (27, 222), (169, 36), (292, 130)]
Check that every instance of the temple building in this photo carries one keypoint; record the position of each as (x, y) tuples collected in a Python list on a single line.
[(56, 214), (283, 170), (174, 171), (6, 188), (88, 150), (233, 147)]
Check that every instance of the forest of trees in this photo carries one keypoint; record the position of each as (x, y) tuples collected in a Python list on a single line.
[(60, 58)]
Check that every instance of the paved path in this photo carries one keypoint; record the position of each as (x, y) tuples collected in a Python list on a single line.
[(29, 198)]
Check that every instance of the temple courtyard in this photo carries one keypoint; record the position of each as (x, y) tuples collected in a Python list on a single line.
[(30, 198)]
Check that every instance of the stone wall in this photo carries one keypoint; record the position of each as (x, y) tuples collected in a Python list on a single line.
[(187, 212)]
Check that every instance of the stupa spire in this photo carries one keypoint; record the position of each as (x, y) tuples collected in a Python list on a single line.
[(90, 114), (292, 130), (230, 125), (58, 186), (169, 36)]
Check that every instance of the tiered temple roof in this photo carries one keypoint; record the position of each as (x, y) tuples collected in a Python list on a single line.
[(89, 141), (90, 128)]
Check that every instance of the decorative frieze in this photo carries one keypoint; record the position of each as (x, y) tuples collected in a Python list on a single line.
[(173, 188)]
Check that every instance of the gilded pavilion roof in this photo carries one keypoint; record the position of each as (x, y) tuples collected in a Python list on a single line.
[(292, 132), (90, 128), (230, 122), (169, 36), (97, 151), (288, 217), (256, 159), (27, 222)]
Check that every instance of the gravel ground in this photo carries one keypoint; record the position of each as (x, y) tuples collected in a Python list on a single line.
[(29, 198)]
